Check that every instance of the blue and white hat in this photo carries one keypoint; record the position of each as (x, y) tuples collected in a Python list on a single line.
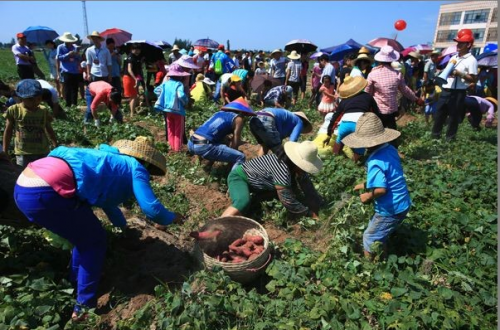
[(28, 88)]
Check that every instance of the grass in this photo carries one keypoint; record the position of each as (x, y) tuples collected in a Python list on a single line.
[(8, 69)]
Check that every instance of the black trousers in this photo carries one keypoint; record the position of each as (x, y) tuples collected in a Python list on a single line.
[(71, 82), (450, 109), (25, 71), (474, 112), (389, 121)]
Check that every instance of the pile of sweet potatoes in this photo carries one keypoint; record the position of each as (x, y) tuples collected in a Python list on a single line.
[(243, 249)]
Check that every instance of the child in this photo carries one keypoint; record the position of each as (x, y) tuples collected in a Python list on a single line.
[(315, 84), (172, 100), (31, 123), (431, 96), (328, 99), (234, 90), (385, 182), (261, 70)]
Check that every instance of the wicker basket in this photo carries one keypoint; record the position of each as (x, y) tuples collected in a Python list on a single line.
[(234, 228)]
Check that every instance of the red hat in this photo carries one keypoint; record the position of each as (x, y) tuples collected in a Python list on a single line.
[(20, 35), (464, 35), (220, 47)]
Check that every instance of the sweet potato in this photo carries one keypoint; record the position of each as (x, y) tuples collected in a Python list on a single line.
[(258, 240), (258, 250), (223, 259), (253, 256), (239, 259), (238, 242), (203, 235)]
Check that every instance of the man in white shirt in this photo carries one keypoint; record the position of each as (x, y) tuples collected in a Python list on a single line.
[(98, 60), (452, 100)]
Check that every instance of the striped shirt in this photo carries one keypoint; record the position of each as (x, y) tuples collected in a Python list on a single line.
[(266, 172)]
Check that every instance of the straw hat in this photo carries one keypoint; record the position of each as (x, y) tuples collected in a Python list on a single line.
[(176, 70), (276, 51), (436, 52), (239, 105), (96, 35), (68, 37), (352, 86), (387, 54), (414, 55), (307, 128), (304, 155), (364, 50), (363, 57), (369, 133), (142, 148), (187, 62), (175, 47), (294, 55)]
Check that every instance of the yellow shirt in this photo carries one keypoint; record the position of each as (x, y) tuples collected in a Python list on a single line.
[(29, 129), (198, 93)]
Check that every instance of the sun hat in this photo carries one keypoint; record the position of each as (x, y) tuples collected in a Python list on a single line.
[(186, 61), (260, 63), (364, 50), (396, 66), (235, 78), (369, 133), (414, 55), (307, 126), (208, 81), (68, 37), (95, 34), (304, 155), (176, 70), (239, 105), (276, 51), (387, 54), (436, 52), (28, 88), (20, 35), (363, 57), (175, 47), (294, 55), (352, 86), (142, 148)]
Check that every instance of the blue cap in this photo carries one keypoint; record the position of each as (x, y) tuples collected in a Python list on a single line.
[(28, 88)]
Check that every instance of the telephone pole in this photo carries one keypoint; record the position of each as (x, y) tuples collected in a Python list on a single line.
[(85, 22)]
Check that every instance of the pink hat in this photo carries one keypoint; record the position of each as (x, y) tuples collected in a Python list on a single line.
[(176, 70), (387, 54), (187, 62)]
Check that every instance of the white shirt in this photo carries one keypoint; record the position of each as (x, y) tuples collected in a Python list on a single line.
[(99, 60), (46, 85), (466, 64)]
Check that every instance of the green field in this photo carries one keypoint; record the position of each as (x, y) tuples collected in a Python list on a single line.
[(441, 272)]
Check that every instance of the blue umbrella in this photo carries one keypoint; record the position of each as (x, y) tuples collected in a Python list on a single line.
[(39, 34), (490, 47), (489, 59), (208, 43), (350, 46)]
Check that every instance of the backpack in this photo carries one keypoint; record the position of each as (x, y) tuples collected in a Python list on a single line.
[(218, 67)]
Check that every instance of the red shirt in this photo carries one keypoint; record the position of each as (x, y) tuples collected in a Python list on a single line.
[(101, 91)]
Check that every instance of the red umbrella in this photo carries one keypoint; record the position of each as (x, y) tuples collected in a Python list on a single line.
[(119, 36), (408, 50), (381, 42)]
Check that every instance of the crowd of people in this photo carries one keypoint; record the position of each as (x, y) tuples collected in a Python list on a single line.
[(359, 100)]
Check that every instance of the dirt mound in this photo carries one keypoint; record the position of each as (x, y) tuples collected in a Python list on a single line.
[(250, 150), (405, 119)]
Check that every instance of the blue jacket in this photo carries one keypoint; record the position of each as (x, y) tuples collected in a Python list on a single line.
[(171, 97), (226, 61), (217, 127), (106, 178), (287, 123)]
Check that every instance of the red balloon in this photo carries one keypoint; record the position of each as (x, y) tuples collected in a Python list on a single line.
[(400, 25)]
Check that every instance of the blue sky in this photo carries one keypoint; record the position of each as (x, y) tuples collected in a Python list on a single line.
[(247, 24)]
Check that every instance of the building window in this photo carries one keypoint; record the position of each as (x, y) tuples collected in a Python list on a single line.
[(450, 18), (492, 34), (476, 16), (478, 34), (446, 35), (494, 16)]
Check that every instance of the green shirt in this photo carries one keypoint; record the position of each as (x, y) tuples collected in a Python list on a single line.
[(29, 129)]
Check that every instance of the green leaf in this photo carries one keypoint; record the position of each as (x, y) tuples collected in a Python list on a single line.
[(396, 292)]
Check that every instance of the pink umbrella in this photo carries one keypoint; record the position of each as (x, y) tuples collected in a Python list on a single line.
[(422, 48), (408, 50), (381, 42), (119, 36), (449, 50)]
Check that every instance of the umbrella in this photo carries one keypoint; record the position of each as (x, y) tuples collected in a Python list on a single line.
[(422, 48), (208, 43), (257, 83), (316, 55), (39, 34), (489, 59), (301, 46), (119, 36), (450, 50), (163, 44), (381, 42), (151, 51), (490, 47), (443, 60), (351, 43)]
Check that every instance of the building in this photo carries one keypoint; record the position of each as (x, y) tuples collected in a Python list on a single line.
[(479, 16)]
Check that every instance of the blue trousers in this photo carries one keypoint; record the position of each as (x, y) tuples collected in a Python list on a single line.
[(74, 221)]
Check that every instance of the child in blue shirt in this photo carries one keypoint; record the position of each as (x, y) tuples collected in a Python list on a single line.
[(385, 182)]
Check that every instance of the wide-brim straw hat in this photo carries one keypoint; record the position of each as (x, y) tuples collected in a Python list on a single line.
[(304, 155), (68, 37), (276, 51), (352, 86), (369, 133), (387, 54), (364, 50), (414, 55), (363, 57), (142, 148), (307, 128), (239, 105), (95, 34), (175, 47), (187, 61), (175, 70), (294, 55)]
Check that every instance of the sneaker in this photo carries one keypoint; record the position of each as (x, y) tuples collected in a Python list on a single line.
[(97, 123)]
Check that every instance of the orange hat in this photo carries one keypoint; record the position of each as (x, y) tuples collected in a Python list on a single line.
[(464, 35), (20, 35)]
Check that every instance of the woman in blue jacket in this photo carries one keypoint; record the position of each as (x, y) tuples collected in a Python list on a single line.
[(57, 192)]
